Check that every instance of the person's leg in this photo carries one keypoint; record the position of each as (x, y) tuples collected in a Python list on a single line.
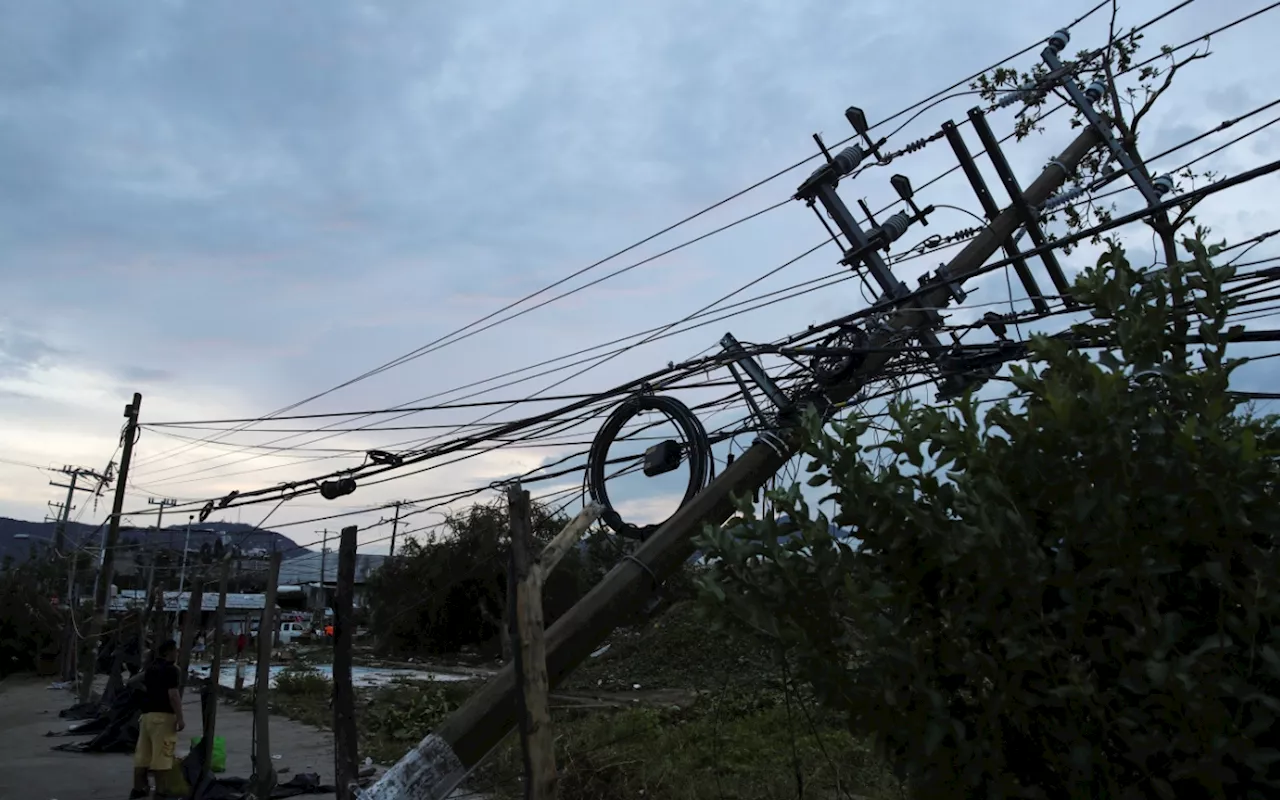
[(142, 756), (165, 744)]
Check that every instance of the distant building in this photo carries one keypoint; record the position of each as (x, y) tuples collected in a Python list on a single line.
[(301, 574)]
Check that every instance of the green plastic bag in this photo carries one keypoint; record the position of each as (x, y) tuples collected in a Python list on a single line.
[(218, 759)]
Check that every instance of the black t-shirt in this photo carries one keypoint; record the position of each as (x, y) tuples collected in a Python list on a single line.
[(160, 677)]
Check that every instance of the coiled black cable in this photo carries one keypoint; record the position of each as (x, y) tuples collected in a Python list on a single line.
[(696, 451)]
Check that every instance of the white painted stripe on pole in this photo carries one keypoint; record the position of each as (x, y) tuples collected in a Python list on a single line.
[(430, 771)]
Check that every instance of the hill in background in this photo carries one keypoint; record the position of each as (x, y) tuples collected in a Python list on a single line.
[(173, 537)]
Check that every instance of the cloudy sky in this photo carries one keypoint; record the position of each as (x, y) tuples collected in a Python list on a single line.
[(230, 207)]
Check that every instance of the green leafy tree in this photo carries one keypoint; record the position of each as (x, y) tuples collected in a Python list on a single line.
[(450, 592), (1073, 593), (29, 622)]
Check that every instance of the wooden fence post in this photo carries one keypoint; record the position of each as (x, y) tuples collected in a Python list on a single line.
[(264, 771), (195, 610), (345, 754), (530, 654), (210, 727)]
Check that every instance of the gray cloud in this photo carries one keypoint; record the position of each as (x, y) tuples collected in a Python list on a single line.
[(140, 374), (239, 209), (20, 352)]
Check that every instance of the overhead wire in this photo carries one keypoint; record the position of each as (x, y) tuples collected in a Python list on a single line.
[(777, 174)]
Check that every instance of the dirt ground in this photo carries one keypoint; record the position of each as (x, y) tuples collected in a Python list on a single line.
[(31, 770)]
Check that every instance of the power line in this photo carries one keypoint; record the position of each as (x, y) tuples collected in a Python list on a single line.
[(435, 453), (662, 329), (777, 174)]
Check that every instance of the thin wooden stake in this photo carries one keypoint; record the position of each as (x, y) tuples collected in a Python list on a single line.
[(345, 743), (195, 610), (531, 654), (210, 726)]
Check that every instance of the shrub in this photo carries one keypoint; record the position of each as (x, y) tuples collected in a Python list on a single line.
[(1075, 594), (303, 681)]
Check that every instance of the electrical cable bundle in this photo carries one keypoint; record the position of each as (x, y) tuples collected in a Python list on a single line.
[(658, 459)]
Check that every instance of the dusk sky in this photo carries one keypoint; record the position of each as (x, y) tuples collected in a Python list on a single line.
[(230, 207)]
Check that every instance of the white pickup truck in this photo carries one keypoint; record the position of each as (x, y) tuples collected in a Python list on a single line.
[(290, 631)]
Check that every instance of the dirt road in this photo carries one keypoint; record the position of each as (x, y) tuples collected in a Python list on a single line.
[(31, 770)]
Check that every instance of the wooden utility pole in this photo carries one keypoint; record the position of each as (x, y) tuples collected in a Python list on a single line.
[(212, 686), (107, 572), (264, 771), (565, 540), (195, 610), (345, 743), (536, 740), (440, 761)]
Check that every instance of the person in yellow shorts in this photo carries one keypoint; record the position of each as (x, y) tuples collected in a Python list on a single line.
[(161, 720)]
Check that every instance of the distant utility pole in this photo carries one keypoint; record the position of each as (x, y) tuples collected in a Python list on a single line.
[(186, 545), (324, 557), (68, 661), (167, 502), (163, 503), (103, 592), (395, 524), (74, 474)]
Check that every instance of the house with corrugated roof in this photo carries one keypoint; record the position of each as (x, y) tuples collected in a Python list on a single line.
[(314, 576)]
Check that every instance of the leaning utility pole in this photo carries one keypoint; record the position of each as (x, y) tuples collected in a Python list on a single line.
[(103, 592), (442, 760)]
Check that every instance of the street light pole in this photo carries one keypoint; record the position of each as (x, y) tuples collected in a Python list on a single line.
[(186, 545)]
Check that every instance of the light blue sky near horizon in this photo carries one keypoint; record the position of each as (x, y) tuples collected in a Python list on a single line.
[(230, 210)]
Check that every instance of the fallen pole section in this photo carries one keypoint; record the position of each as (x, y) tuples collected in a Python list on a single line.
[(442, 760)]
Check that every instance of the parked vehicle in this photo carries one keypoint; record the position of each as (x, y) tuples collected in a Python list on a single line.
[(290, 631)]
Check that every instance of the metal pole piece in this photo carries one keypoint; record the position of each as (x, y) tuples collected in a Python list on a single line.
[(991, 210), (891, 286), (746, 395), (755, 372), (852, 231), (1067, 81), (1020, 204)]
